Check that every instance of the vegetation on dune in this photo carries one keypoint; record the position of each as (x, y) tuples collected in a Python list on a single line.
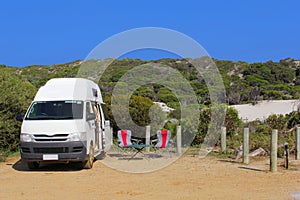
[(15, 97), (243, 82)]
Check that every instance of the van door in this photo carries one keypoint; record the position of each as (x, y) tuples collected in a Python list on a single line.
[(105, 132), (90, 126), (98, 130)]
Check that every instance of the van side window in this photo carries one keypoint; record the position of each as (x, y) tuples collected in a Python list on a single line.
[(88, 108), (96, 111)]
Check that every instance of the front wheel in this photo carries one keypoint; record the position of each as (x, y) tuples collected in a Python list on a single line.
[(89, 163)]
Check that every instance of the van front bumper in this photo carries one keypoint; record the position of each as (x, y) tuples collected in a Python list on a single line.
[(66, 151)]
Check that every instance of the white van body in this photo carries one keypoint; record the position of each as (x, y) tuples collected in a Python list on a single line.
[(64, 123)]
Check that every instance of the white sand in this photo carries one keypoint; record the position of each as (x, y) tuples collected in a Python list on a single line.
[(249, 112)]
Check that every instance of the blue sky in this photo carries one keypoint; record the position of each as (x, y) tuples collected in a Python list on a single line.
[(53, 32)]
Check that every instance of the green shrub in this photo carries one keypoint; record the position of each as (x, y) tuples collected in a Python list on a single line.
[(16, 96)]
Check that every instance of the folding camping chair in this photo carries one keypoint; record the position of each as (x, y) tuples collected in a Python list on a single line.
[(124, 138), (125, 141), (163, 141)]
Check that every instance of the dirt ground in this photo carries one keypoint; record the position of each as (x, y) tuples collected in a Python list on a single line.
[(189, 177)]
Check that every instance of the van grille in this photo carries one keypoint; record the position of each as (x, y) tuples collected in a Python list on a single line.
[(51, 150), (51, 138)]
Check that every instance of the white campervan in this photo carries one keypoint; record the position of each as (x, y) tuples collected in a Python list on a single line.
[(64, 123)]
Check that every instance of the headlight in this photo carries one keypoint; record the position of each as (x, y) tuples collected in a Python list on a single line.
[(24, 137), (75, 137)]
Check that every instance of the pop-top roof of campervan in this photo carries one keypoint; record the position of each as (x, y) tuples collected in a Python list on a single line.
[(69, 89)]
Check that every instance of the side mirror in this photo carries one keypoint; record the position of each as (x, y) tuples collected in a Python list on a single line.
[(90, 117), (19, 117)]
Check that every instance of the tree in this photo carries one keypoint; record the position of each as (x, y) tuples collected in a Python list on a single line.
[(138, 109), (277, 122), (15, 98), (232, 122)]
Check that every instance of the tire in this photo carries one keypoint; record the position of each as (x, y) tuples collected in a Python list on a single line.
[(101, 156), (33, 165), (88, 164)]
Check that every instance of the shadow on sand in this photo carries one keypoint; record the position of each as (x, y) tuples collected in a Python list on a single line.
[(56, 167), (121, 156), (242, 167), (252, 169), (229, 161)]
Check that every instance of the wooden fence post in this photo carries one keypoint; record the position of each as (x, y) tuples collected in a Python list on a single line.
[(111, 136), (148, 138), (297, 154), (178, 140), (286, 155), (246, 146), (273, 156), (223, 139)]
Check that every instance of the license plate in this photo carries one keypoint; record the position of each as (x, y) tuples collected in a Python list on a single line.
[(50, 157)]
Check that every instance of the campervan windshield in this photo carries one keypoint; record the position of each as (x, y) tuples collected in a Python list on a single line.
[(55, 110)]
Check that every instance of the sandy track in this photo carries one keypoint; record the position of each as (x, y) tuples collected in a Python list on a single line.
[(187, 178)]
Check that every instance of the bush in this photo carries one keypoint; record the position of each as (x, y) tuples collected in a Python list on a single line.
[(15, 98), (232, 122)]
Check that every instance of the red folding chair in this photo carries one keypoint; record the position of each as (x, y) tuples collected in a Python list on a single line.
[(163, 141), (125, 141), (124, 138)]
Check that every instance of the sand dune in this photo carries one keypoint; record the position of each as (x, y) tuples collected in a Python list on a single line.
[(249, 112)]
